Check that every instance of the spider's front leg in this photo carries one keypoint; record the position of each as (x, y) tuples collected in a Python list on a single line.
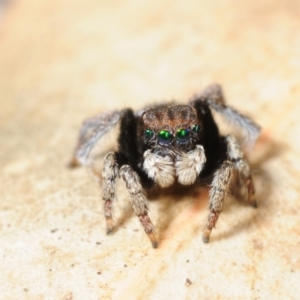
[(109, 174), (217, 193), (221, 182), (138, 201)]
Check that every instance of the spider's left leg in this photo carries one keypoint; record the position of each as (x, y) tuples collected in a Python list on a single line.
[(221, 182), (214, 97), (138, 201), (218, 189)]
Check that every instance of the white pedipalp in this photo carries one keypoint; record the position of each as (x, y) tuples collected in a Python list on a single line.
[(164, 171), (189, 165), (160, 169)]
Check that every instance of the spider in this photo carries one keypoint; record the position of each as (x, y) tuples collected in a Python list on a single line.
[(168, 145)]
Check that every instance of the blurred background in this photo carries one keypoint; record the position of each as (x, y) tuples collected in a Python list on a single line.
[(62, 61)]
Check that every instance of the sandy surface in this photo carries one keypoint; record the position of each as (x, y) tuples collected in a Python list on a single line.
[(61, 61)]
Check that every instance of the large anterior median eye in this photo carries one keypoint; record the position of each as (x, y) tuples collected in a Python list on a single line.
[(182, 135), (164, 136), (149, 133)]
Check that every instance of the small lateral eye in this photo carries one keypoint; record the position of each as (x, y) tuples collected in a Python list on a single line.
[(182, 135), (164, 136), (149, 133), (196, 128)]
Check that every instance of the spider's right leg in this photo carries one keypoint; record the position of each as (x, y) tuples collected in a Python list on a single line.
[(91, 131), (138, 201), (109, 174)]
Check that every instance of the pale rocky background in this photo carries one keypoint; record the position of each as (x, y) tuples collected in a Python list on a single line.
[(63, 60)]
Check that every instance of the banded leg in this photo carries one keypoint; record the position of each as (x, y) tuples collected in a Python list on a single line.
[(217, 193), (241, 165), (138, 201), (109, 174), (221, 182)]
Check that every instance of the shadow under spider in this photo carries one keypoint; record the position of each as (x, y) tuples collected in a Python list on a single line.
[(263, 177), (174, 200), (171, 201)]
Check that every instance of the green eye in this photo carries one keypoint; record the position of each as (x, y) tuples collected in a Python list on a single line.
[(196, 128), (182, 135), (149, 133), (164, 136)]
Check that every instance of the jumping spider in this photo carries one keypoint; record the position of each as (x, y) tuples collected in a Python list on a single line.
[(166, 145)]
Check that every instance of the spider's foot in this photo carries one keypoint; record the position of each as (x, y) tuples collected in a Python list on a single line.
[(252, 201), (149, 229), (154, 245), (206, 235), (73, 163), (109, 226), (254, 204), (109, 231), (153, 238), (205, 239)]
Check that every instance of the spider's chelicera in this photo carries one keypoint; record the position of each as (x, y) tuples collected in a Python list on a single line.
[(167, 145)]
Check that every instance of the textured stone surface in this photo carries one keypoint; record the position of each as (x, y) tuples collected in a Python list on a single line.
[(62, 61)]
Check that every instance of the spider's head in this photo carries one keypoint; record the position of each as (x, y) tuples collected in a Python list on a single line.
[(171, 127)]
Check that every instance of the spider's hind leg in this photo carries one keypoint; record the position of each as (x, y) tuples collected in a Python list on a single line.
[(213, 94), (242, 167), (90, 132), (214, 97)]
